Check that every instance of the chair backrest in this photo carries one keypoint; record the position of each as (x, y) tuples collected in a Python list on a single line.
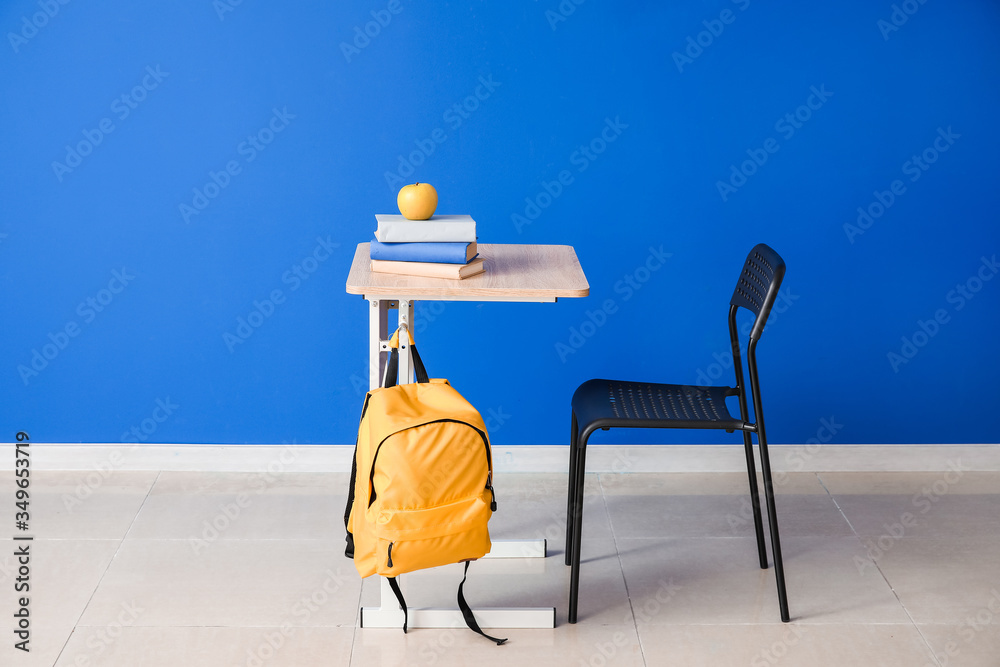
[(758, 285)]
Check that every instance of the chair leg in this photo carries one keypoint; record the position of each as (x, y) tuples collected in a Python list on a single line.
[(571, 489), (758, 524), (574, 579), (772, 519)]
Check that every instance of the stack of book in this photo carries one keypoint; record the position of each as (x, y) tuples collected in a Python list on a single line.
[(442, 247)]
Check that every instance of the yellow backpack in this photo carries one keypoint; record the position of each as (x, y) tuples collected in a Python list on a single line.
[(421, 491)]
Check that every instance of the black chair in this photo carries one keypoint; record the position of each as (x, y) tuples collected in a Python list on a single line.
[(604, 404)]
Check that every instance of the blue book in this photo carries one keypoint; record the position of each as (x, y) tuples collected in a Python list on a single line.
[(436, 252)]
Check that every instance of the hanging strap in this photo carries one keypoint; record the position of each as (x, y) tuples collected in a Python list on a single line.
[(394, 585), (392, 366), (470, 619)]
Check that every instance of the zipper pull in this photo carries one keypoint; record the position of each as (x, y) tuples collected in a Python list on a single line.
[(493, 504), (389, 562)]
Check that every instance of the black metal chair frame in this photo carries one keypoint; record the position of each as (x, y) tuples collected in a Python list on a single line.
[(604, 404)]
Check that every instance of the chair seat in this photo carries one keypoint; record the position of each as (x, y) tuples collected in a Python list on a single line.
[(612, 403)]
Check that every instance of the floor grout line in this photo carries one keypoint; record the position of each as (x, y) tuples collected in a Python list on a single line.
[(906, 611), (621, 567), (837, 505), (100, 580), (902, 606), (357, 624)]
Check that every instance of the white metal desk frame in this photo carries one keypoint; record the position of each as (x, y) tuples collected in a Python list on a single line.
[(388, 614)]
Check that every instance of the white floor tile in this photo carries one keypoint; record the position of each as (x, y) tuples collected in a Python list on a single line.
[(605, 645), (533, 506), (207, 646), (718, 580), (784, 644), (62, 576), (147, 568), (944, 581), (240, 506), (975, 642), (80, 505), (231, 583)]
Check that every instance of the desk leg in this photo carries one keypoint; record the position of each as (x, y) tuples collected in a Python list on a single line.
[(378, 332), (405, 317), (388, 614), (378, 339)]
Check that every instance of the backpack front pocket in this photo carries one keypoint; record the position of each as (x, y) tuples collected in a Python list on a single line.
[(416, 539)]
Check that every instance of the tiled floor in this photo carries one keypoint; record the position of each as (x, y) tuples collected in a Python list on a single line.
[(224, 569)]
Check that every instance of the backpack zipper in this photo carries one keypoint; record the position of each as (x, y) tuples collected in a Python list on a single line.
[(389, 561), (486, 445), (493, 494)]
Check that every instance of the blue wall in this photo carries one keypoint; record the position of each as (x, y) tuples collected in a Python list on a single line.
[(167, 168)]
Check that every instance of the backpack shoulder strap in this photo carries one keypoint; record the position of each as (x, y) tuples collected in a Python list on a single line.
[(394, 585), (470, 619), (349, 551)]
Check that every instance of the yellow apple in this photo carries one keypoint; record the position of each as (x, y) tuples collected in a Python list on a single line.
[(417, 201)]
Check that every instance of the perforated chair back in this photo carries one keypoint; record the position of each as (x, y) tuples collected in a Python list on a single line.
[(758, 285)]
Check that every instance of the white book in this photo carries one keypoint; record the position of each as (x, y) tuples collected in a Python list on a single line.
[(440, 228)]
